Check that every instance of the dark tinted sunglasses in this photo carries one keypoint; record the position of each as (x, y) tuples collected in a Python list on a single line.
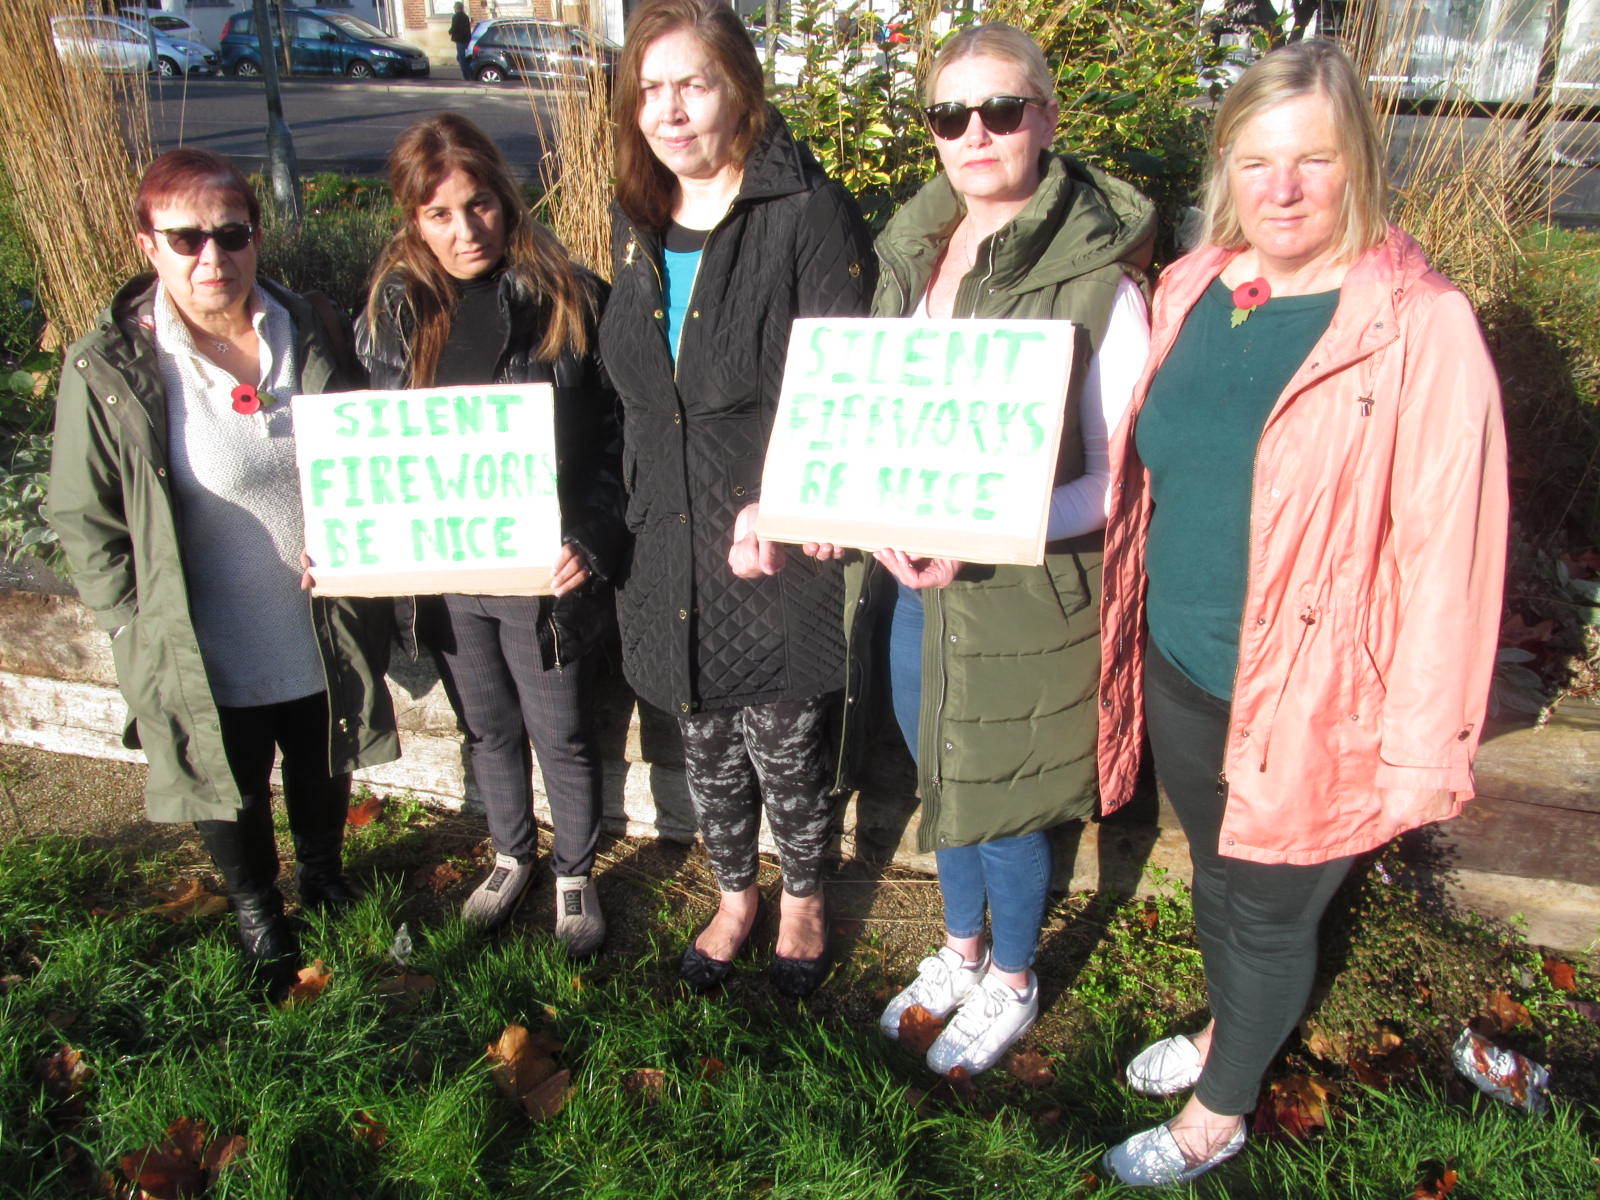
[(189, 241), (999, 114)]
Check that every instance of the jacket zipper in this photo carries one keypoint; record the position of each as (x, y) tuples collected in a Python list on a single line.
[(688, 305), (555, 638), (327, 680)]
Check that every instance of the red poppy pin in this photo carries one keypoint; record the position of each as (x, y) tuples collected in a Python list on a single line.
[(246, 399), (1248, 297)]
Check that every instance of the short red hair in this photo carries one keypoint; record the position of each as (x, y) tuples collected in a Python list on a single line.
[(181, 174)]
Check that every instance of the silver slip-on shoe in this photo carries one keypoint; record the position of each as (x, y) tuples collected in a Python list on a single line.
[(580, 925), (493, 900)]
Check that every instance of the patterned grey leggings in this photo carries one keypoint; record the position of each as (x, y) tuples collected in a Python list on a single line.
[(735, 757)]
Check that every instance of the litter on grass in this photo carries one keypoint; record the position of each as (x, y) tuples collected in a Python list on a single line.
[(1504, 1074)]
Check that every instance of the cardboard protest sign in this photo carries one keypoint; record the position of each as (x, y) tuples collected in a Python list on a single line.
[(937, 437), (428, 491)]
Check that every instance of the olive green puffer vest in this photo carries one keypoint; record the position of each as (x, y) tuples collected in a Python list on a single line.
[(1010, 654)]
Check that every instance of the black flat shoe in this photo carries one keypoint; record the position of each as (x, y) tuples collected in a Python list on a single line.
[(700, 971), (331, 895), (797, 978)]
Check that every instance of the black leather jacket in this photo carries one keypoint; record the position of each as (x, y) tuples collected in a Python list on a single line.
[(588, 446)]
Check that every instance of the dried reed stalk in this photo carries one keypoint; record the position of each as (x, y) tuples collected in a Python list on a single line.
[(76, 140), (574, 126), (1468, 189)]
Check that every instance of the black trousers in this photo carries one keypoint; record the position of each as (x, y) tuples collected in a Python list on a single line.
[(737, 757), (1256, 922), (317, 802), (489, 657)]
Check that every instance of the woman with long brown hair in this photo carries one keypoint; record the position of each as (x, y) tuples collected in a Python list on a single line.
[(471, 289), (724, 231)]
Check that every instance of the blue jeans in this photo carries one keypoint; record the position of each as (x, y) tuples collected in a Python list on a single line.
[(1010, 876)]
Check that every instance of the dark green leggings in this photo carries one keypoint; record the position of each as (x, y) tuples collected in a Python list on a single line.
[(1256, 922)]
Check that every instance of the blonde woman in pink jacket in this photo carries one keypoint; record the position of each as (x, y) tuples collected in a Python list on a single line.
[(1302, 571)]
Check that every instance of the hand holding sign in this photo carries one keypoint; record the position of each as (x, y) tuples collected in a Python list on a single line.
[(752, 557), (939, 438)]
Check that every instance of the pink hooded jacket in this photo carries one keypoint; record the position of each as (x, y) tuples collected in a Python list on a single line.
[(1377, 551)]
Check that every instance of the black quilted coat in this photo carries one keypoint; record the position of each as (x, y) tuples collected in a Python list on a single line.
[(792, 245), (588, 463)]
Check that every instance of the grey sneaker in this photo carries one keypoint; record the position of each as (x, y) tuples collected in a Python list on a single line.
[(580, 925), (493, 900)]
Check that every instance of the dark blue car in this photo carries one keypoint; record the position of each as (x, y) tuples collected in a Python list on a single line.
[(321, 42)]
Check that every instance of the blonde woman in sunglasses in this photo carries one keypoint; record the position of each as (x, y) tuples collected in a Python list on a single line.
[(991, 670), (174, 491)]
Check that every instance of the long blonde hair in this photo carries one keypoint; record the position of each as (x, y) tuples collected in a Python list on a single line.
[(421, 160)]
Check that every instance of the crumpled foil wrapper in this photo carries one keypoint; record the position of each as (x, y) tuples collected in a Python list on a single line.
[(1504, 1074)]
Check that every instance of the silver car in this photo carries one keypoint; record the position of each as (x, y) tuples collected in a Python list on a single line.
[(123, 44)]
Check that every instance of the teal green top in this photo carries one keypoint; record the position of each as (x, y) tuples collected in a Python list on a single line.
[(680, 262), (1197, 435)]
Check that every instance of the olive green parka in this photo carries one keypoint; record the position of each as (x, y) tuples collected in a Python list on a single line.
[(1010, 655), (111, 502)]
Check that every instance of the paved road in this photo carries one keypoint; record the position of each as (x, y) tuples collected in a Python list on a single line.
[(349, 126), (337, 125)]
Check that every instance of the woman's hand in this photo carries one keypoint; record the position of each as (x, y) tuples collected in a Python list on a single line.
[(919, 572), (571, 571), (823, 551), (751, 557), (306, 581)]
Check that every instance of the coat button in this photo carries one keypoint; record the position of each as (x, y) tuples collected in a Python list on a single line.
[(952, 637), (82, 363), (683, 518), (658, 314), (949, 745), (855, 270), (1228, 842), (111, 399), (1105, 702), (683, 614), (738, 489), (161, 471), (344, 724), (677, 418), (1261, 620), (695, 314), (683, 707)]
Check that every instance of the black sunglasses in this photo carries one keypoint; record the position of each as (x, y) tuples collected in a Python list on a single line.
[(999, 114), (190, 241)]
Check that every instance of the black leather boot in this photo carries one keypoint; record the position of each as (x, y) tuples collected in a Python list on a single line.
[(267, 941), (317, 825)]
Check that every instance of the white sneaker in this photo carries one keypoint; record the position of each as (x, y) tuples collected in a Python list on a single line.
[(1153, 1159), (493, 900), (988, 1021), (580, 925), (1165, 1068), (943, 981)]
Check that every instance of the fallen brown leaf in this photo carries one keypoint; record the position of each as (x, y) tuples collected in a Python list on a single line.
[(1378, 1070), (1047, 1118), (1151, 916), (1436, 1186), (548, 1098), (368, 1130), (518, 1063), (404, 986), (183, 1165), (1517, 632), (61, 1020), (365, 813), (1560, 974), (711, 1069), (1031, 1068), (645, 1082), (192, 898), (1506, 1013), (1088, 1182), (1294, 1107), (309, 984), (63, 1073), (440, 877), (919, 1029)]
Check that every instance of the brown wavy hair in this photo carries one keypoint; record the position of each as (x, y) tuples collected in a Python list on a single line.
[(645, 188), (421, 160)]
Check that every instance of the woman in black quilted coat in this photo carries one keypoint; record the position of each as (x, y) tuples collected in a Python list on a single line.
[(724, 231)]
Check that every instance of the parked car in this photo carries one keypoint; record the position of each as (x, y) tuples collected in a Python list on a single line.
[(123, 44), (322, 42), (523, 48), (169, 24)]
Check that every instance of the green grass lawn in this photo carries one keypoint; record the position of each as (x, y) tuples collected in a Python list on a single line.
[(359, 1094)]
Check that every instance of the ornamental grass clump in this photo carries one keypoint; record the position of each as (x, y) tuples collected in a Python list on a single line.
[(76, 141), (574, 125)]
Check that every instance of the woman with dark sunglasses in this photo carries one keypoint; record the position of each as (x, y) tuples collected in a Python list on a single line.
[(991, 670), (174, 490)]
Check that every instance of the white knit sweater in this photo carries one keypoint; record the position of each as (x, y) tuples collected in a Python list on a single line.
[(238, 500)]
